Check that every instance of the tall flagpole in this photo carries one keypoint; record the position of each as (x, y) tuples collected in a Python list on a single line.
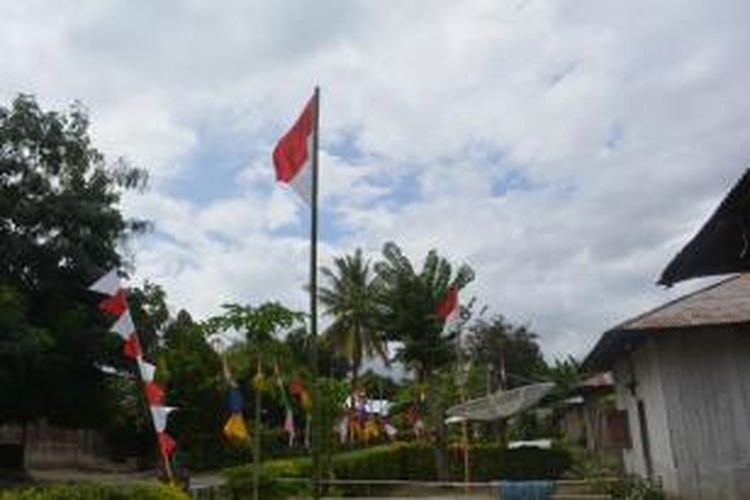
[(316, 441)]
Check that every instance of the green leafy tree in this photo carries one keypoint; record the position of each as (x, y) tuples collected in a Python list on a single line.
[(196, 387), (261, 350), (511, 353), (351, 300), (330, 363), (148, 306), (408, 301), (566, 373), (60, 226)]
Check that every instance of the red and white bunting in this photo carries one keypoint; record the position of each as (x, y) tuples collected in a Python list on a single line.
[(124, 326), (154, 393), (146, 369), (159, 415), (132, 347), (166, 444), (116, 304), (108, 284)]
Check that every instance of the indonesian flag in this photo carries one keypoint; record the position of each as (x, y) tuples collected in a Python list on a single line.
[(292, 156), (449, 308)]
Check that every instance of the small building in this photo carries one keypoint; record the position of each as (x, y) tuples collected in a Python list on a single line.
[(682, 380), (585, 416)]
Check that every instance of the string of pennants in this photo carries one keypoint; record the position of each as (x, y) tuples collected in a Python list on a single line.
[(116, 304)]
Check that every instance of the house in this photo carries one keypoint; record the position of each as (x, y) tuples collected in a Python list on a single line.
[(682, 379), (587, 417)]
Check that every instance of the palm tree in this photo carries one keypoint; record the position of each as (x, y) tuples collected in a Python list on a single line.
[(408, 313), (351, 300)]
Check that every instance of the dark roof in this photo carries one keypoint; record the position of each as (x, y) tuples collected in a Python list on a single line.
[(722, 246), (723, 303)]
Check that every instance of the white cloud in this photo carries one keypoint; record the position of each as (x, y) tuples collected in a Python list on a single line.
[(622, 123)]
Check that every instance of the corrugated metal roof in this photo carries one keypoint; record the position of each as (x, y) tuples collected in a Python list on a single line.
[(726, 302), (723, 303)]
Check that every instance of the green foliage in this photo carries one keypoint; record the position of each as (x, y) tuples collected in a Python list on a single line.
[(507, 348), (410, 461), (378, 386), (408, 305), (351, 300), (330, 364), (408, 302), (148, 306), (258, 324), (60, 226), (196, 387), (628, 488), (565, 373), (94, 491), (414, 461), (240, 479)]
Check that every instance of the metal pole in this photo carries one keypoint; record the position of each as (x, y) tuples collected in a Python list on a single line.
[(316, 441)]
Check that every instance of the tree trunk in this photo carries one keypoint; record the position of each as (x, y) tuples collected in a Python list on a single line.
[(352, 408), (438, 426)]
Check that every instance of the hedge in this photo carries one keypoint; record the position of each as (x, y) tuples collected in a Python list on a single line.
[(93, 491), (410, 461)]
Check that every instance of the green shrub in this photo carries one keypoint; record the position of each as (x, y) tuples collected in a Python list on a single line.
[(213, 452), (628, 488), (240, 478), (409, 461), (93, 491)]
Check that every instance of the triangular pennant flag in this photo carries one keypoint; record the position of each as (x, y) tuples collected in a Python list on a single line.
[(166, 444), (289, 426), (235, 429), (235, 400), (292, 156), (124, 326), (147, 370), (115, 305), (132, 347), (107, 284), (159, 415), (154, 393)]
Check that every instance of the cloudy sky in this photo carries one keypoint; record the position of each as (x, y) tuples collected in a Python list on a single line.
[(564, 149)]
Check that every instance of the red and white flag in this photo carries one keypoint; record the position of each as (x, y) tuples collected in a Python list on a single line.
[(449, 309), (293, 155)]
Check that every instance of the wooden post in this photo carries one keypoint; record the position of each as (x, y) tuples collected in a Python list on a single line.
[(256, 442)]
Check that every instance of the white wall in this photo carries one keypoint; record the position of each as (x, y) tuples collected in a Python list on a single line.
[(706, 379), (647, 370), (696, 388)]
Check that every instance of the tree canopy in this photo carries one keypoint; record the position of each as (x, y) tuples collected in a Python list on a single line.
[(60, 227)]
